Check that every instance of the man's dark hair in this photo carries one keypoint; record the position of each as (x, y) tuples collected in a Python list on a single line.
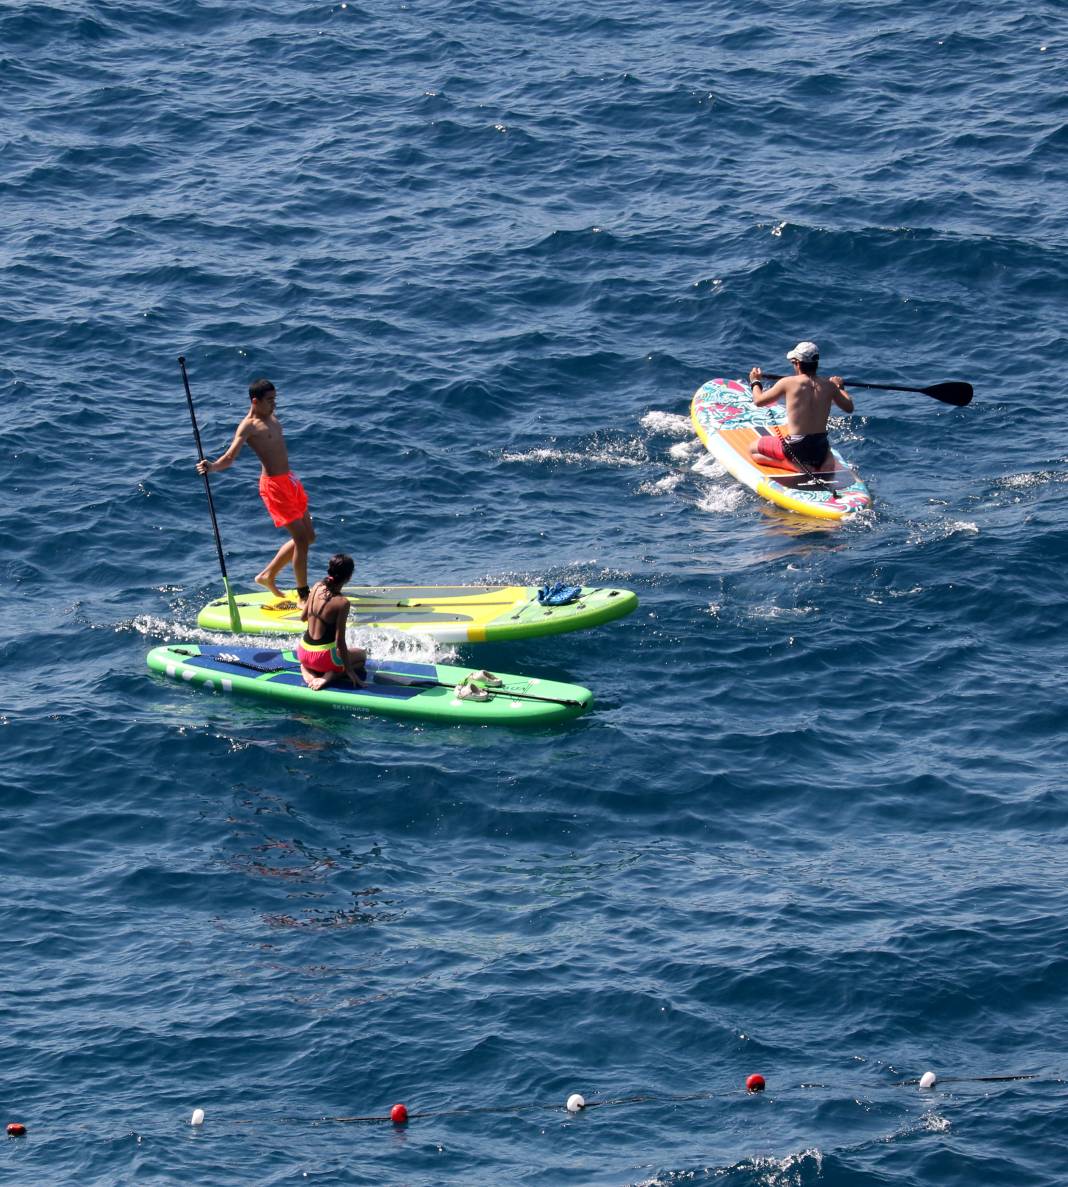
[(808, 366), (259, 388)]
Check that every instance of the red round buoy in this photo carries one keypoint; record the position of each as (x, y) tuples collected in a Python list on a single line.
[(755, 1083), (16, 1130), (399, 1114)]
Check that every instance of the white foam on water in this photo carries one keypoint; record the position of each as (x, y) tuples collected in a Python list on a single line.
[(782, 1170), (166, 630), (772, 613), (379, 644), (667, 424), (720, 499), (804, 1166), (685, 450), (926, 533), (586, 571), (631, 452), (1028, 480), (708, 466), (846, 431), (661, 486), (880, 599), (400, 645)]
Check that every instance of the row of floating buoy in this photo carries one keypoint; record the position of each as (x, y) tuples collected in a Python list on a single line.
[(575, 1103)]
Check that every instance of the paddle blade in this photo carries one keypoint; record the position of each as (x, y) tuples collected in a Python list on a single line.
[(235, 617), (953, 392)]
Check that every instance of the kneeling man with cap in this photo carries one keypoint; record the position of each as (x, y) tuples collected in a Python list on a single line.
[(808, 405)]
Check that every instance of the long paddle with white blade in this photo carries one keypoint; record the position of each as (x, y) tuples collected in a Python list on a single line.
[(235, 617)]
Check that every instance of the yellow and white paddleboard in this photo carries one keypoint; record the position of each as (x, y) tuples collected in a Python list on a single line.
[(728, 422), (448, 613)]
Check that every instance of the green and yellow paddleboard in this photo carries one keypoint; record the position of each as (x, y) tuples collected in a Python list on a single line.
[(446, 613)]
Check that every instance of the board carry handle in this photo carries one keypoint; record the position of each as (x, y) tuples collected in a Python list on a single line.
[(235, 616), (953, 391)]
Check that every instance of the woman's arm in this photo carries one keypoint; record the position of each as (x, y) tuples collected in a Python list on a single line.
[(340, 641), (357, 657)]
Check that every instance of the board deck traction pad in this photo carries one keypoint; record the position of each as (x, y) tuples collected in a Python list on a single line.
[(727, 421), (396, 688), (447, 613)]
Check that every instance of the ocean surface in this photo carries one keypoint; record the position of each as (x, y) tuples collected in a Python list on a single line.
[(815, 826)]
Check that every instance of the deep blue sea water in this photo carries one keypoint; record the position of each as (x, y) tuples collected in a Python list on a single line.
[(815, 827)]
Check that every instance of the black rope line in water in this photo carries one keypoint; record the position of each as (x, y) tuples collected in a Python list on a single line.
[(644, 1098), (575, 1104), (754, 1086), (974, 1079)]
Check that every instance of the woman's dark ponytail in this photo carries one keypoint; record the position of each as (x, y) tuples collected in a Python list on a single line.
[(338, 571)]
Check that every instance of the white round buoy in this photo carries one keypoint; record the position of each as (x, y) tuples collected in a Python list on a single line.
[(197, 1118), (928, 1080), (576, 1102)]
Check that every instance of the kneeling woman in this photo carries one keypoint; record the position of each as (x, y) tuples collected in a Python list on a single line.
[(323, 652)]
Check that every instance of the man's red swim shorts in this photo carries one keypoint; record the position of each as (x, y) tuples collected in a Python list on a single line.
[(771, 447), (797, 452), (284, 497)]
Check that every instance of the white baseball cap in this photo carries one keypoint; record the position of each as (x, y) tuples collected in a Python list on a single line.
[(804, 352)]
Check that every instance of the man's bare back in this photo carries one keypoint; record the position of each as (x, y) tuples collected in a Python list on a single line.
[(808, 398), (808, 401)]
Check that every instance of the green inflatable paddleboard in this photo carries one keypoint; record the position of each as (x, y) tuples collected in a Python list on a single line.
[(394, 688)]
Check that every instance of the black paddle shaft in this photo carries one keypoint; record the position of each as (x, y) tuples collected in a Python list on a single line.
[(200, 452), (953, 391)]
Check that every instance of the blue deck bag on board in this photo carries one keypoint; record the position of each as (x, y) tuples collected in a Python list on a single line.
[(559, 594)]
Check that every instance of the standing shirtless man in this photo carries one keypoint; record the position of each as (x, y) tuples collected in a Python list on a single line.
[(808, 405), (281, 491)]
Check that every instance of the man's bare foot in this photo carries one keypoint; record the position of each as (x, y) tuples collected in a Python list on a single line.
[(266, 579)]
